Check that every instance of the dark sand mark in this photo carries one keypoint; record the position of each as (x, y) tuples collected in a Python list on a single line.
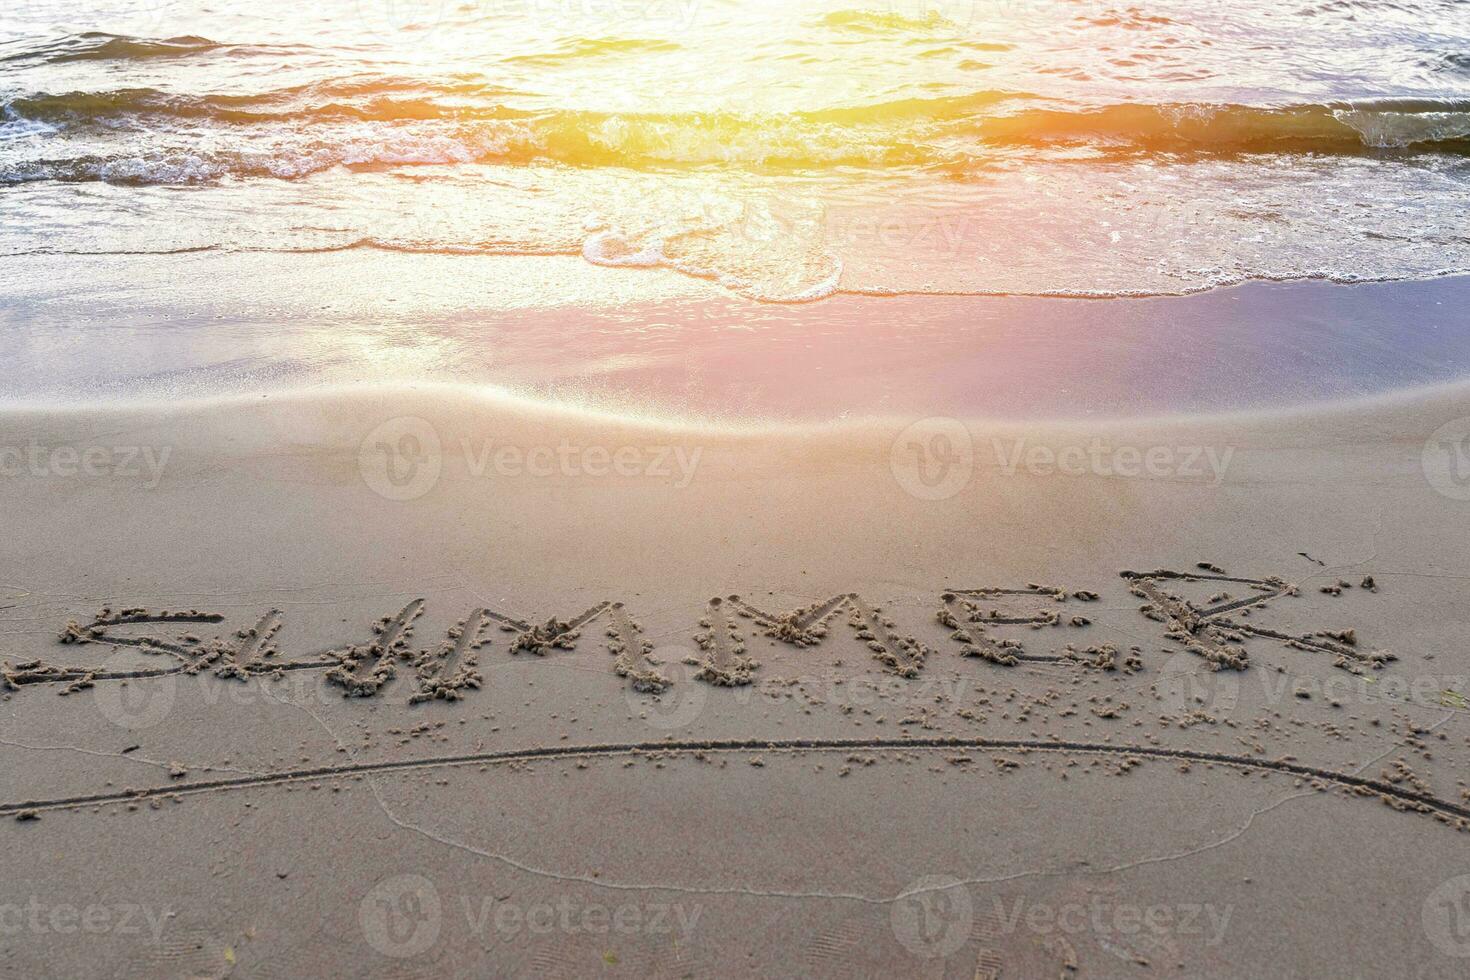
[(989, 964), (1398, 796), (839, 947)]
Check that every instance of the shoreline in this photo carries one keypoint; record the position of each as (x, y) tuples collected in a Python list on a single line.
[(685, 349), (494, 400)]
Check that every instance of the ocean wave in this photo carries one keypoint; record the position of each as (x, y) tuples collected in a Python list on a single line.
[(393, 100), (610, 250), (613, 249), (370, 244), (1451, 63), (172, 167), (1392, 130), (991, 115), (368, 100), (145, 135), (1441, 126), (14, 126), (101, 46)]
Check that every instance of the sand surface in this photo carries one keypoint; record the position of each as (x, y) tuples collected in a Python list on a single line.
[(424, 682)]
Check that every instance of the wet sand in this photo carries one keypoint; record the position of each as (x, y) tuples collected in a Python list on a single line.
[(105, 328), (424, 682)]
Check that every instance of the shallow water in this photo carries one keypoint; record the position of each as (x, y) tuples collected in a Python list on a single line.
[(786, 150)]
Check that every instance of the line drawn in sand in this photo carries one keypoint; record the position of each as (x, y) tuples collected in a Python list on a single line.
[(624, 641), (255, 647), (632, 653), (964, 612), (362, 670), (444, 673), (1215, 630), (726, 663), (808, 626), (1399, 796), (1210, 631), (187, 650)]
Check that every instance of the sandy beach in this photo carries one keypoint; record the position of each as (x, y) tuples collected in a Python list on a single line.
[(420, 680), (661, 488)]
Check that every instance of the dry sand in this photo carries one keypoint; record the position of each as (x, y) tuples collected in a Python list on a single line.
[(422, 682)]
